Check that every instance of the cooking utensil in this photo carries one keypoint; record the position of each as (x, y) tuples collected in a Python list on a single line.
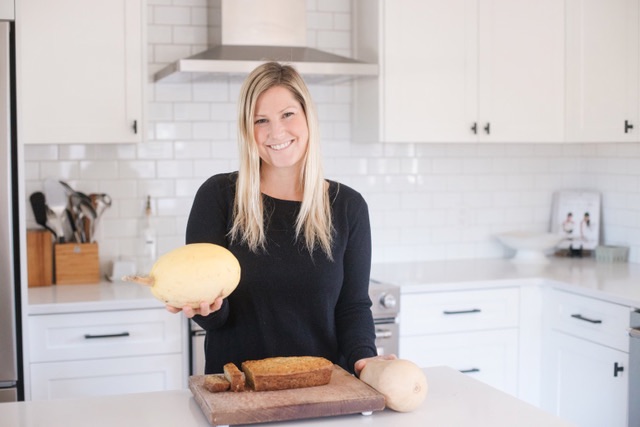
[(39, 207), (56, 197), (89, 216), (100, 202)]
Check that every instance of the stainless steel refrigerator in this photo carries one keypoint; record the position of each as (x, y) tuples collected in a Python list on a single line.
[(10, 356)]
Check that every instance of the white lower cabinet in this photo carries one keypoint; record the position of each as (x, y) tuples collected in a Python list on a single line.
[(585, 363), (106, 352), (584, 383), (489, 356), (474, 331), (101, 377)]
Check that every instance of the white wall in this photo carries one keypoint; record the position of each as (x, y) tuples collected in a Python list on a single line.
[(427, 201)]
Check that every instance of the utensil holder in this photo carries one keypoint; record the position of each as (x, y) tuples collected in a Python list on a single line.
[(39, 258), (76, 263)]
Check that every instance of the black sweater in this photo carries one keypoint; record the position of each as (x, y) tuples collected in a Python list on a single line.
[(288, 302)]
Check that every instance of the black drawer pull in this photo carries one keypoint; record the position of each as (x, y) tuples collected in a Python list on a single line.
[(617, 369), (473, 310), (470, 371), (586, 319), (91, 337)]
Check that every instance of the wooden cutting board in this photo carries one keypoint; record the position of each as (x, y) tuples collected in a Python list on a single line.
[(345, 394)]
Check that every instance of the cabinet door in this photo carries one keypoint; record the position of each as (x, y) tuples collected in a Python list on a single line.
[(579, 383), (489, 356), (81, 68), (521, 71), (429, 71), (602, 70), (101, 377)]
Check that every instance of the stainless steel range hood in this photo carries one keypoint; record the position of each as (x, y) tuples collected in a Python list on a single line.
[(244, 33)]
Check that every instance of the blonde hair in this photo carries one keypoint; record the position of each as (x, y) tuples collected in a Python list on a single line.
[(314, 219)]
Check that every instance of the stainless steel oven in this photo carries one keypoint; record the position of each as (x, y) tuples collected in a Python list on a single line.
[(385, 307), (634, 370), (385, 298)]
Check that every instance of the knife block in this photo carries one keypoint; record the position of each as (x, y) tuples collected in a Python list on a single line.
[(39, 258), (76, 263)]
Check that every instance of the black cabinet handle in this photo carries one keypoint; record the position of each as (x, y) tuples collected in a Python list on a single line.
[(586, 319), (91, 336), (627, 126), (473, 310), (470, 371), (487, 128), (135, 127), (617, 369), (474, 128)]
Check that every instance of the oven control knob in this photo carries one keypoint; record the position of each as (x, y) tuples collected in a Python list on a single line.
[(388, 300)]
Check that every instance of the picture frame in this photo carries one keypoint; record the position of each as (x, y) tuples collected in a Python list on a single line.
[(576, 214)]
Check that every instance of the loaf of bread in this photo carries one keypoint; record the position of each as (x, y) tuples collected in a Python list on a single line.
[(235, 377), (216, 383), (281, 373)]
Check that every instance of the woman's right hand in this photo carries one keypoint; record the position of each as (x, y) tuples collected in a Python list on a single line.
[(205, 309)]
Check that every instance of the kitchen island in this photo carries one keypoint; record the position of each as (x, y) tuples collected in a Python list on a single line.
[(454, 399)]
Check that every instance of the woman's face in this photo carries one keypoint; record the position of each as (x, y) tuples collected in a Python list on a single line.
[(280, 129)]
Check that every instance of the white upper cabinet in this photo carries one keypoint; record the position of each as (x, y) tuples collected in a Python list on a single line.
[(602, 71), (80, 71), (521, 70), (7, 10), (461, 71)]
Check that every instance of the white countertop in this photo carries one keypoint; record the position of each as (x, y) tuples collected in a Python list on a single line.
[(454, 399), (615, 282), (92, 297)]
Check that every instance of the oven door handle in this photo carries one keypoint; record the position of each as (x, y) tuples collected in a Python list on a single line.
[(634, 333), (383, 333)]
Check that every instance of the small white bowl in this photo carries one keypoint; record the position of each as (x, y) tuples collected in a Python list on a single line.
[(531, 247)]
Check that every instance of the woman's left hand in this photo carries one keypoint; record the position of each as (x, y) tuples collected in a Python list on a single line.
[(360, 364)]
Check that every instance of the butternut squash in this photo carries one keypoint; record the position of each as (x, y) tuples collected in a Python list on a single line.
[(401, 381), (191, 274)]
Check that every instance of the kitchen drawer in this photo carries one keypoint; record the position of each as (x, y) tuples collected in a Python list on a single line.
[(470, 310), (101, 377), (602, 322), (488, 356), (56, 337)]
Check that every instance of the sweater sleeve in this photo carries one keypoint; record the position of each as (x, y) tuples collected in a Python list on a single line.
[(354, 322), (207, 223)]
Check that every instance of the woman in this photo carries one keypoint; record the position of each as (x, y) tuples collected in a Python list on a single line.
[(303, 243)]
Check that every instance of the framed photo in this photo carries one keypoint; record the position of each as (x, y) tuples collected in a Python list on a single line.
[(576, 215)]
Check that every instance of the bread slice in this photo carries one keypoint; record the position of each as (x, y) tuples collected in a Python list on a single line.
[(216, 383), (281, 373), (235, 377)]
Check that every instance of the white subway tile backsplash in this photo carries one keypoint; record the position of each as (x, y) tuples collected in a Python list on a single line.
[(190, 35), (206, 168), (334, 41), (159, 34), (59, 168), (320, 21), (156, 150), (172, 131), (171, 15), (132, 169), (183, 111), (211, 130), (333, 5), (342, 21), (174, 169)]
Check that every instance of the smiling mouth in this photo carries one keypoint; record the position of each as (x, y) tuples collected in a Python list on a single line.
[(282, 146)]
